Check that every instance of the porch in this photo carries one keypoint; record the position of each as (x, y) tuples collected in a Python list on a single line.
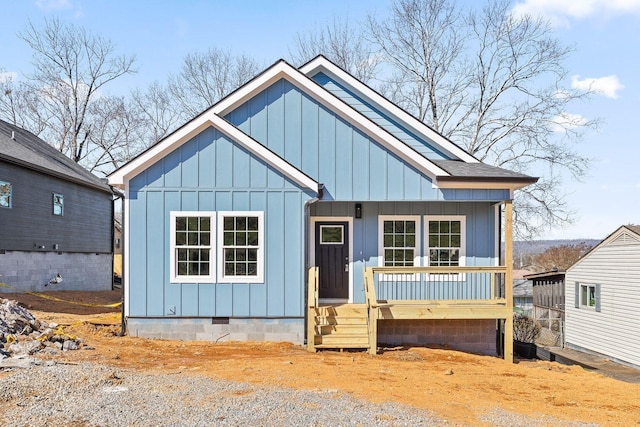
[(417, 293)]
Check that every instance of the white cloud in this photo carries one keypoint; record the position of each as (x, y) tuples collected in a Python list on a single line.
[(561, 12), (567, 121), (607, 86), (53, 4)]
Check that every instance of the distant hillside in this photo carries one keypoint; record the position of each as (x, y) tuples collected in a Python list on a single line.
[(539, 246), (525, 251)]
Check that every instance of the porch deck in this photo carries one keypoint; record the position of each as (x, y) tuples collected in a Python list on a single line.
[(400, 286)]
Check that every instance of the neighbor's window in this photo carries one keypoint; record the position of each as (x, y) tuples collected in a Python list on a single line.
[(191, 247), (241, 247), (445, 237), (58, 204), (588, 295), (5, 194), (399, 237)]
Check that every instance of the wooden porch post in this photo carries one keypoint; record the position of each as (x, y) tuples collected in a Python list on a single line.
[(508, 278)]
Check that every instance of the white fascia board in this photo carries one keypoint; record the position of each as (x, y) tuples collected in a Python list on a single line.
[(321, 63), (282, 70), (268, 156), (484, 185)]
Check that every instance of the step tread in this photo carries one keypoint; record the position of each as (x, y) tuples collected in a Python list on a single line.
[(342, 345)]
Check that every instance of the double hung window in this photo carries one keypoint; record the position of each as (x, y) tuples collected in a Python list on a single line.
[(446, 240), (58, 204), (240, 241), (191, 246), (223, 247), (5, 194), (399, 241)]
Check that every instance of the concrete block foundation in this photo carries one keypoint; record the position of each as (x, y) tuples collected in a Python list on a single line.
[(475, 336), (31, 270), (219, 329)]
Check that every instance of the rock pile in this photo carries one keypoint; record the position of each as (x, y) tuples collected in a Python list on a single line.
[(22, 334)]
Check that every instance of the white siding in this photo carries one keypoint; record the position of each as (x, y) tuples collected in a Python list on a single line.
[(615, 330)]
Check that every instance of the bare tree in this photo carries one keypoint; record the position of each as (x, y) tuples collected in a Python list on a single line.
[(157, 110), (340, 42), (22, 106), (207, 77), (71, 67), (495, 84), (117, 135)]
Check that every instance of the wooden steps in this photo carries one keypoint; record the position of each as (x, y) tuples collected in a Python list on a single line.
[(340, 327)]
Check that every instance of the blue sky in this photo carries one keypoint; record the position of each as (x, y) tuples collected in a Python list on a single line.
[(605, 34)]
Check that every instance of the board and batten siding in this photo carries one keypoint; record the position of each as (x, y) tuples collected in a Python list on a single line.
[(312, 138), (421, 144), (212, 173), (480, 235), (85, 227), (614, 331)]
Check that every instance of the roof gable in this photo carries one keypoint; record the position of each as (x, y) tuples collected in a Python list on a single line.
[(282, 70), (195, 127), (21, 147), (321, 64), (623, 236)]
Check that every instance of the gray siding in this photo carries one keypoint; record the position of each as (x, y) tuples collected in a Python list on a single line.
[(86, 225), (614, 331)]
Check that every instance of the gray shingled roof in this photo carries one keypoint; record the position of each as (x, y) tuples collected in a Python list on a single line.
[(31, 152), (634, 228), (479, 172)]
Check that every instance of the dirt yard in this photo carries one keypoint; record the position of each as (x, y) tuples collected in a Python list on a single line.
[(454, 385)]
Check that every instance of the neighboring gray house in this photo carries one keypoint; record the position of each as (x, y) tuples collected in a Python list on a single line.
[(522, 293), (602, 310), (56, 218)]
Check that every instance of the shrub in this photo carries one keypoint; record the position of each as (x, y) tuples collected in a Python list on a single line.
[(525, 328)]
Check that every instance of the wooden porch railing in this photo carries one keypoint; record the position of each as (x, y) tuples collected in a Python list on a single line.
[(312, 304), (436, 293)]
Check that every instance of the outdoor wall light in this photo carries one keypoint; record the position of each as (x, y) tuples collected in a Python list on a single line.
[(358, 210)]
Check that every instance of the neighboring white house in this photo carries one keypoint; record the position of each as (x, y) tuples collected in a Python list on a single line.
[(604, 316)]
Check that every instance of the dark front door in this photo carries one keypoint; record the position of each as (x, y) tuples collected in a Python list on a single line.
[(332, 259)]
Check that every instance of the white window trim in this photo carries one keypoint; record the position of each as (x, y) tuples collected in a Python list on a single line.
[(259, 278), (463, 235), (417, 251), (173, 277), (584, 305), (417, 255)]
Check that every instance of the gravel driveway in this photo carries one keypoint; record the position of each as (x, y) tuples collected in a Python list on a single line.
[(49, 394)]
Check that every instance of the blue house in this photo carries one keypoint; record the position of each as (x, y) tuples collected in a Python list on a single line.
[(306, 207)]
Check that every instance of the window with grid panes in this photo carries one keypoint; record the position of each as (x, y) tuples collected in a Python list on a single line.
[(241, 246), (399, 242), (192, 244), (445, 238)]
